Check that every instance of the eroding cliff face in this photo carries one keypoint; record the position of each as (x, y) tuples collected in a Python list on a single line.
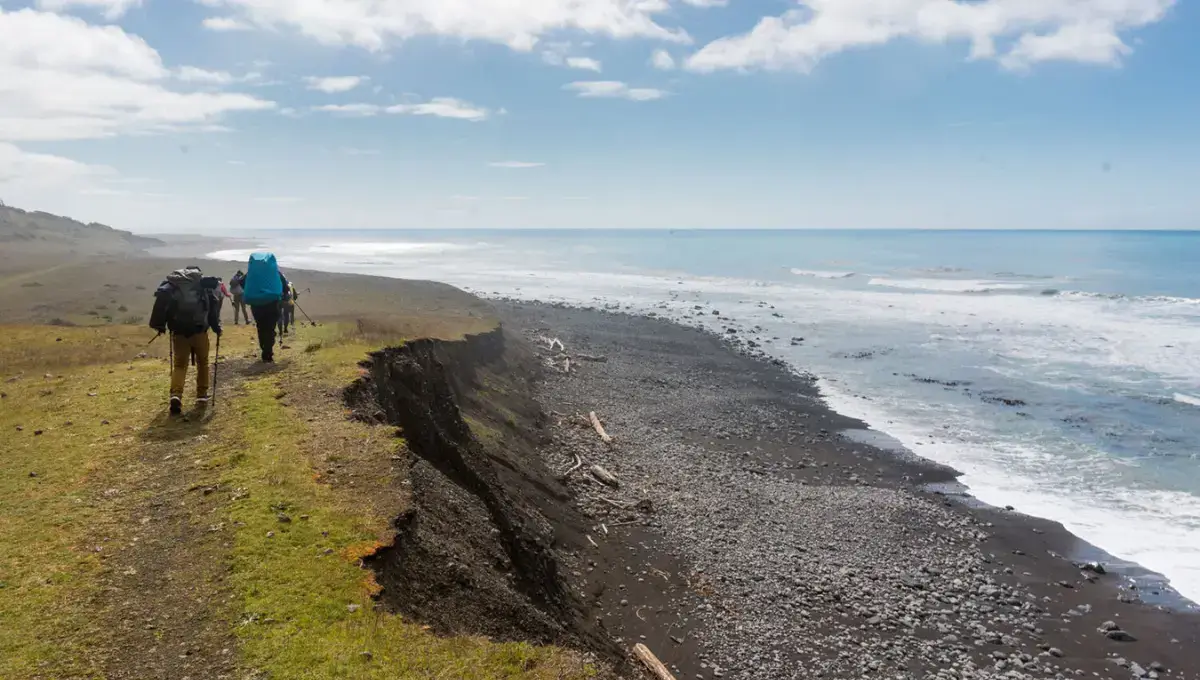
[(477, 553)]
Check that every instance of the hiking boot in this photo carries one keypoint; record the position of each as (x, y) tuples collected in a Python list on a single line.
[(176, 406), (202, 402)]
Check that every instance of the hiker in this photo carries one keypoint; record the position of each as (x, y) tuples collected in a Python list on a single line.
[(263, 291), (237, 285), (188, 304), (287, 309)]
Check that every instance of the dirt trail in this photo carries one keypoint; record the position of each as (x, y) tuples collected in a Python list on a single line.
[(164, 597)]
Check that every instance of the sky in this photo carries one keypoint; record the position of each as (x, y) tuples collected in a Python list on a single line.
[(224, 116)]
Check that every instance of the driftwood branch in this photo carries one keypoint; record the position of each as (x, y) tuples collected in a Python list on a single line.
[(599, 428), (616, 504), (555, 341), (605, 476), (578, 464), (589, 357), (567, 365), (651, 662), (594, 544)]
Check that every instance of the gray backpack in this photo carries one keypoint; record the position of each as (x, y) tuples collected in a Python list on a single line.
[(191, 299)]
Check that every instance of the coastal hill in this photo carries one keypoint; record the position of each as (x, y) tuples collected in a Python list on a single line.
[(41, 233)]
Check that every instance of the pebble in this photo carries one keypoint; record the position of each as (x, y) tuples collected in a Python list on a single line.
[(805, 573)]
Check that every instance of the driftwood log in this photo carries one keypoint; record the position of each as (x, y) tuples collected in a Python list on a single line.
[(651, 662), (605, 476), (599, 428)]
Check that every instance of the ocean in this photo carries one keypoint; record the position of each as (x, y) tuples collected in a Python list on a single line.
[(1058, 371)]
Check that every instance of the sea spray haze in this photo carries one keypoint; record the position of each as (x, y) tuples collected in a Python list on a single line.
[(1059, 371)]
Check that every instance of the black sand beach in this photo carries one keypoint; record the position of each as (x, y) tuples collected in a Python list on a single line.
[(750, 539)]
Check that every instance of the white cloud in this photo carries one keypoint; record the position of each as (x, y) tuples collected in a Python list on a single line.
[(515, 165), (352, 151), (191, 74), (1069, 43), (374, 24), (236, 162), (584, 63), (112, 9), (555, 54), (706, 3), (1039, 30), (443, 107), (356, 110), (614, 89), (335, 84), (225, 24), (21, 170), (662, 60), (62, 78)]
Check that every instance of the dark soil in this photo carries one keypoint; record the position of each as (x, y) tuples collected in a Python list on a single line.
[(480, 550)]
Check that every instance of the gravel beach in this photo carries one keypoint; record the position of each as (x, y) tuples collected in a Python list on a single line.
[(746, 536)]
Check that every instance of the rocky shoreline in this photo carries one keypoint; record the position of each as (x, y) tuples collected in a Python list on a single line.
[(747, 537)]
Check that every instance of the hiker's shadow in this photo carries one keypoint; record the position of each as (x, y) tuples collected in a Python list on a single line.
[(168, 428), (254, 369)]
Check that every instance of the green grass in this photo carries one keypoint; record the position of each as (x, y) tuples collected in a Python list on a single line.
[(51, 524), (302, 602), (307, 607)]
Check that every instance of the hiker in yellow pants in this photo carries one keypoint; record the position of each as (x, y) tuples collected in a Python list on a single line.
[(188, 304), (185, 348)]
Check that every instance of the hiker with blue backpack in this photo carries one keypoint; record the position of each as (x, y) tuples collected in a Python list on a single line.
[(188, 304), (263, 291)]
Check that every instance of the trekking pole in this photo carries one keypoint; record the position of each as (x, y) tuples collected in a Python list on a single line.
[(170, 360), (305, 314), (216, 363), (153, 339)]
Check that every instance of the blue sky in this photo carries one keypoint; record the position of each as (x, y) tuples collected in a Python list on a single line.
[(225, 115)]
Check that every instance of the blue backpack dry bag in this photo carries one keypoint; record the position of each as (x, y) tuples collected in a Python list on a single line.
[(263, 285)]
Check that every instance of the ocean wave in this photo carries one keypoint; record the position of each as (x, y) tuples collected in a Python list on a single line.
[(1150, 527), (949, 285), (1018, 275), (1187, 399), (938, 270), (229, 255), (1160, 299), (822, 274), (386, 248)]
